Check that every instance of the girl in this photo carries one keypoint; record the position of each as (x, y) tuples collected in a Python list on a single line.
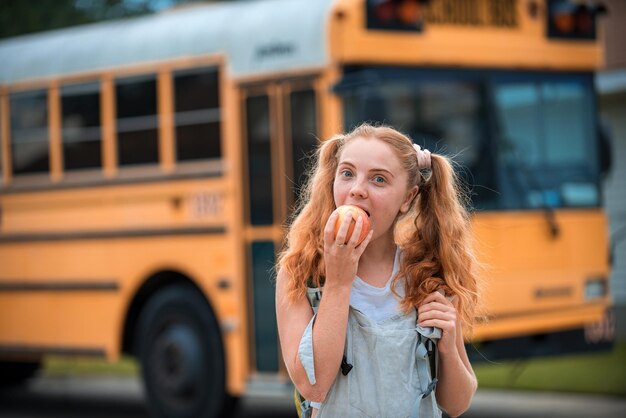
[(362, 354)]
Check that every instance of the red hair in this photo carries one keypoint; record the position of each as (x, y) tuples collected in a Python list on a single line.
[(434, 235)]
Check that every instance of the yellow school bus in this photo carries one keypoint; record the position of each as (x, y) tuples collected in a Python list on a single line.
[(149, 167)]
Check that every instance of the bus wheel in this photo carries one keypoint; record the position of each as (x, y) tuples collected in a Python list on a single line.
[(16, 373), (181, 355)]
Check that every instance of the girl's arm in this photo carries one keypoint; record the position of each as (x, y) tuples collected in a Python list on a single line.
[(457, 381), (329, 334), (329, 329)]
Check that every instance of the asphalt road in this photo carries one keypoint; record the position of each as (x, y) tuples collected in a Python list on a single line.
[(73, 397)]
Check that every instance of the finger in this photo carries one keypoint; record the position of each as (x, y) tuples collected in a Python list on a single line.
[(445, 316), (363, 245), (356, 233), (342, 233), (438, 323), (451, 298), (329, 229), (437, 308), (437, 303), (438, 297)]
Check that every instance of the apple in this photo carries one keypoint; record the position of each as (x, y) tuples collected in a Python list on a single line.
[(355, 212)]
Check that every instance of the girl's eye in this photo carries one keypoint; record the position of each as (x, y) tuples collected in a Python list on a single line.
[(379, 179), (346, 173)]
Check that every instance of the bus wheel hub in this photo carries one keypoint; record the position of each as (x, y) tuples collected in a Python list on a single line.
[(176, 360)]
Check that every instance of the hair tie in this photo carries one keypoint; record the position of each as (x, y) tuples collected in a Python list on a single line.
[(423, 157), (423, 162)]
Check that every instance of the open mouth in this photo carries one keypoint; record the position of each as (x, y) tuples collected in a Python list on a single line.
[(367, 212)]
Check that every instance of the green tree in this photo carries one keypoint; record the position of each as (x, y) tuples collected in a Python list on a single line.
[(23, 17)]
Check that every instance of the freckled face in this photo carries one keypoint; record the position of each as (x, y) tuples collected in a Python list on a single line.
[(370, 176)]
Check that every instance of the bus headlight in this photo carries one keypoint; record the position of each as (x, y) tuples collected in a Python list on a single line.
[(596, 287)]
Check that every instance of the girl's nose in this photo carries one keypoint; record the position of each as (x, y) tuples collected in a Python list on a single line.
[(359, 189)]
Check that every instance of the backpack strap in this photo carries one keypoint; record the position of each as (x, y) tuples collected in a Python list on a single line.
[(426, 360), (314, 295), (431, 348), (303, 406)]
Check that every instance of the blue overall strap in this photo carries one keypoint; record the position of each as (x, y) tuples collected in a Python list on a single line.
[(305, 409), (303, 406), (423, 372), (305, 351)]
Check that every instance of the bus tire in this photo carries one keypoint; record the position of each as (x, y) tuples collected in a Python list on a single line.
[(14, 373), (181, 356)]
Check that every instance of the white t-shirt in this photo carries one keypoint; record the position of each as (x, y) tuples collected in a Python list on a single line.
[(377, 303)]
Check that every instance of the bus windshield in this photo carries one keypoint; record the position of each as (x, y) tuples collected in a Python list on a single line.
[(522, 140)]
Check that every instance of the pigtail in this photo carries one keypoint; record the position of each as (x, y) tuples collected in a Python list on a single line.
[(303, 256), (438, 252)]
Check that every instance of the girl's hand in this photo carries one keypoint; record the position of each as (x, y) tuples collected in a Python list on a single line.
[(341, 259), (438, 311)]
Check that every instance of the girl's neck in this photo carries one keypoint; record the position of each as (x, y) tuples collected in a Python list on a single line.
[(376, 263), (379, 250)]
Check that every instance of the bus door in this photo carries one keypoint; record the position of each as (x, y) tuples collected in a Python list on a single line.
[(279, 130)]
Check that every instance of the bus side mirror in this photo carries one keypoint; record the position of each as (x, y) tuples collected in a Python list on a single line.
[(604, 148)]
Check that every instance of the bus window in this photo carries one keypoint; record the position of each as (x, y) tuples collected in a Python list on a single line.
[(137, 131), (518, 123), (445, 116), (565, 143), (546, 127), (259, 160), (29, 132), (197, 118), (265, 331), (303, 135), (80, 123)]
